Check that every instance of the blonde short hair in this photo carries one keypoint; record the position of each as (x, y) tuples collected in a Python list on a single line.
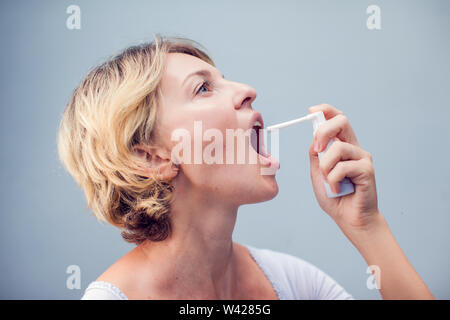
[(112, 109)]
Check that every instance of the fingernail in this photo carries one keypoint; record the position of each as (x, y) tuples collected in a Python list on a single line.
[(335, 189)]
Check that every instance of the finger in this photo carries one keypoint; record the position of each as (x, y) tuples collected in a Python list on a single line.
[(340, 151), (356, 170), (316, 176), (328, 110), (314, 161), (339, 127)]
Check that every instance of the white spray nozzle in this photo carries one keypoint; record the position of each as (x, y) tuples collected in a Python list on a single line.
[(346, 185), (316, 117)]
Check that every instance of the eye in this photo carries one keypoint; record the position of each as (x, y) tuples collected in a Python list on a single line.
[(205, 85)]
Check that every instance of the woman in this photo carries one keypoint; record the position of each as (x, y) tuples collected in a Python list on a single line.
[(117, 140)]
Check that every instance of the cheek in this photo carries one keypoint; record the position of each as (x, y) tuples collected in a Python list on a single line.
[(207, 134), (241, 184)]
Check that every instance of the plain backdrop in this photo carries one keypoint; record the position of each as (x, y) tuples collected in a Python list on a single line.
[(393, 85)]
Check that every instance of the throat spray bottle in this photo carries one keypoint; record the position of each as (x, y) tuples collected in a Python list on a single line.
[(317, 118)]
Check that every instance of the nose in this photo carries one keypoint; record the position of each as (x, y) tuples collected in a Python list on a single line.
[(244, 96)]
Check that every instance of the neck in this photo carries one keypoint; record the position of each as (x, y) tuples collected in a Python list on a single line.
[(199, 255)]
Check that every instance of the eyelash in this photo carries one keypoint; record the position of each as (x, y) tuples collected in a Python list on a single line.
[(202, 85)]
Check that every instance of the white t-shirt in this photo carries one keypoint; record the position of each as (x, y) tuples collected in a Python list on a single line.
[(292, 279)]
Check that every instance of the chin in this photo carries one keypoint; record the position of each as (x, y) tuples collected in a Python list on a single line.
[(267, 190), (272, 187)]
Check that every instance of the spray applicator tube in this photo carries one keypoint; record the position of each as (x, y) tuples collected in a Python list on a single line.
[(346, 186)]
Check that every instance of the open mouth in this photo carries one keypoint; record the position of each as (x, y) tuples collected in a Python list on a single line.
[(257, 143), (257, 139)]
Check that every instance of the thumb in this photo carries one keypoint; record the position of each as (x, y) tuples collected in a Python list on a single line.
[(313, 157), (316, 175)]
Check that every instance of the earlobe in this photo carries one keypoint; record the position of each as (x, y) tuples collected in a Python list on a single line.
[(168, 171)]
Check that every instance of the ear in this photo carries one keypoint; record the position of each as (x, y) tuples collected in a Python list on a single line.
[(157, 162)]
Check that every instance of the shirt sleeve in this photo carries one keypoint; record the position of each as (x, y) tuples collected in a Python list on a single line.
[(100, 290), (310, 282), (324, 287), (297, 279)]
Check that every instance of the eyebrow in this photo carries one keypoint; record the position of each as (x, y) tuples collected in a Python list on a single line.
[(203, 72)]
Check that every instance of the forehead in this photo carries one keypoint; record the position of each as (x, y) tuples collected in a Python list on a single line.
[(180, 65)]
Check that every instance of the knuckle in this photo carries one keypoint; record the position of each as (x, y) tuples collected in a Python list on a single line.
[(323, 167), (369, 168), (334, 174), (329, 106), (340, 146), (332, 179), (343, 118), (341, 164), (337, 148), (339, 167)]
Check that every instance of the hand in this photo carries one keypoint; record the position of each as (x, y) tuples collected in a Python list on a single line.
[(344, 158)]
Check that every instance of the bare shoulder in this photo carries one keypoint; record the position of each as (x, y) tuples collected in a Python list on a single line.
[(243, 258), (253, 282), (241, 247), (243, 253), (124, 273)]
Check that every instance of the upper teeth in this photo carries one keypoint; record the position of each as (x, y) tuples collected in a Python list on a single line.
[(257, 124)]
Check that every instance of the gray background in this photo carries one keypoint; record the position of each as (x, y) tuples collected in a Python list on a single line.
[(393, 84)]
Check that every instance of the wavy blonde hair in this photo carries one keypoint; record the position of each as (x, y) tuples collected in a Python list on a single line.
[(112, 109)]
